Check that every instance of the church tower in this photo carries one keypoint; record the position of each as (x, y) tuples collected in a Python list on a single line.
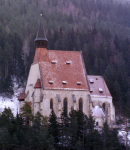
[(41, 44), (41, 40)]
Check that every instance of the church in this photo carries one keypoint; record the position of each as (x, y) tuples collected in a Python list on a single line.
[(58, 80)]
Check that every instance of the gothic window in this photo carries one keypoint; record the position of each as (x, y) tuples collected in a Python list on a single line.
[(80, 104), (103, 107), (51, 103), (65, 106)]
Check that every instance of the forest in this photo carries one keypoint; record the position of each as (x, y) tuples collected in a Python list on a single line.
[(73, 132), (98, 28)]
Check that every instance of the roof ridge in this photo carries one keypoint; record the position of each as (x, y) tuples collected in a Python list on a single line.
[(63, 51)]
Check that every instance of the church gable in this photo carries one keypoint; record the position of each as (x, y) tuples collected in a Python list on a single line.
[(34, 75)]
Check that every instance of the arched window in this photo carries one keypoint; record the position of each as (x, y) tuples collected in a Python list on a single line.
[(65, 106), (103, 107), (80, 104), (51, 103)]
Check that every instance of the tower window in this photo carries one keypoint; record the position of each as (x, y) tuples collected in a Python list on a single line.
[(42, 44), (45, 44), (51, 103), (80, 104), (65, 106), (38, 44)]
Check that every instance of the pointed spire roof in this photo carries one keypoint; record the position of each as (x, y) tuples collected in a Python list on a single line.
[(41, 36)]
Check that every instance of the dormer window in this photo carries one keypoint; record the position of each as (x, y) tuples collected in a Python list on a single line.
[(50, 82), (64, 82), (100, 90), (91, 90), (53, 61), (68, 62), (79, 83), (91, 80)]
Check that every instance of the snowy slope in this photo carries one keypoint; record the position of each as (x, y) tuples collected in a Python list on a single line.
[(12, 102)]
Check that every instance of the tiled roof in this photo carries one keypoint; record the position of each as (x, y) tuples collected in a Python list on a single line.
[(22, 96), (41, 54), (38, 84), (61, 69), (98, 86)]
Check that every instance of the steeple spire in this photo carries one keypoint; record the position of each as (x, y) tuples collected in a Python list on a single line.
[(41, 40)]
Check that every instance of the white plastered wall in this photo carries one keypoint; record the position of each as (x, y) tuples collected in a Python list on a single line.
[(43, 106), (34, 74), (103, 99), (58, 106)]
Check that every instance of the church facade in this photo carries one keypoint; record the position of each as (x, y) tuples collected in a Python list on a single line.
[(58, 80)]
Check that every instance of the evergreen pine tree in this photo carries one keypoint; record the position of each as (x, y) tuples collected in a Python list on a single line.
[(27, 113), (54, 127)]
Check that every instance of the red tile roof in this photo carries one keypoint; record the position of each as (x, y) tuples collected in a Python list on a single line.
[(38, 84), (41, 54), (21, 97), (98, 83), (61, 69)]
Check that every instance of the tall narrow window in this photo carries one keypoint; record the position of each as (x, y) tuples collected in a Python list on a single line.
[(65, 106), (80, 104), (103, 106), (51, 103)]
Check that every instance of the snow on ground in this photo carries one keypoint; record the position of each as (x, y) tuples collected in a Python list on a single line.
[(124, 134), (12, 103)]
